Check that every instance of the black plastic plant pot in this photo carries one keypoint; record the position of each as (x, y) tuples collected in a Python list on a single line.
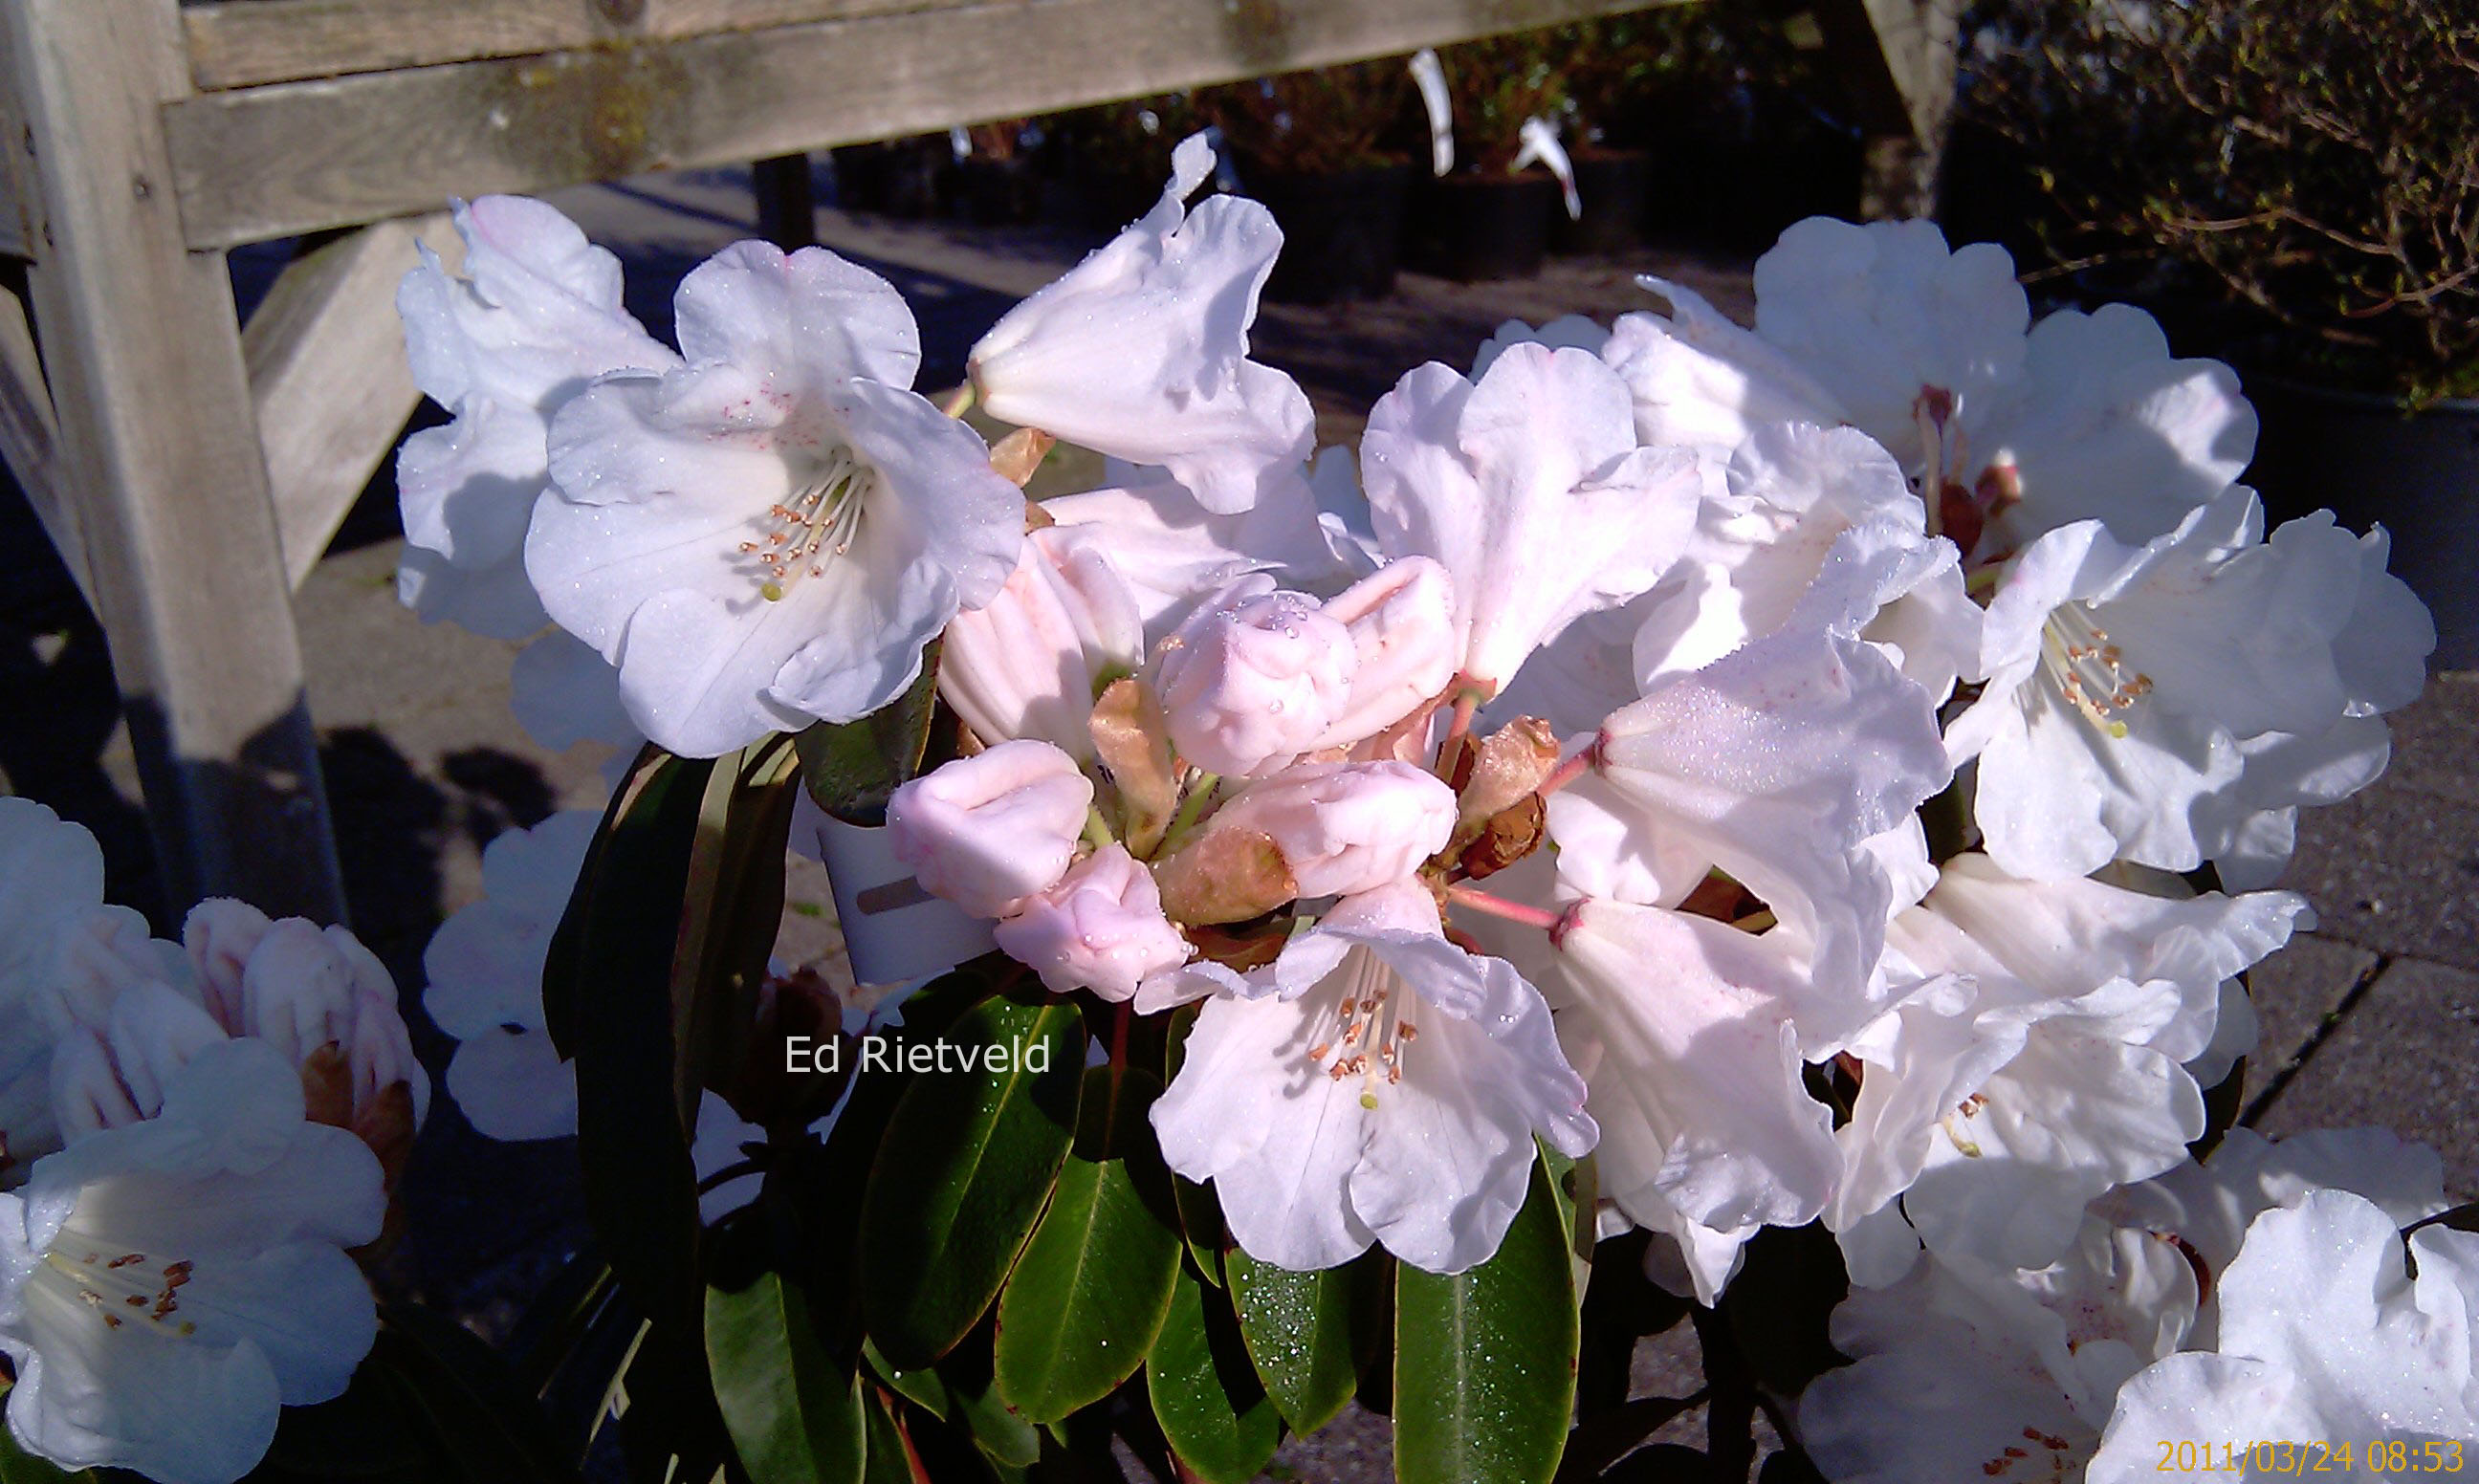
[(1473, 228), (999, 192), (1343, 233), (1613, 188)]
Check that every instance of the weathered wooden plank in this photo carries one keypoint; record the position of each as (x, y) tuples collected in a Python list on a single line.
[(158, 447), (20, 219), (240, 44), (1898, 57), (292, 157), (30, 439), (327, 374)]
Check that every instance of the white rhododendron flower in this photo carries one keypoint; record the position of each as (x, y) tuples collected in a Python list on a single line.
[(2207, 1208), (1172, 552), (1797, 498), (1695, 378), (167, 1285), (1965, 1371), (1374, 1083), (1997, 1111), (1028, 663), (987, 831), (1682, 1028), (1774, 763), (531, 318), (2327, 1334), (2175, 703), (1142, 351), (483, 973), (768, 535), (1529, 489), (1879, 312)]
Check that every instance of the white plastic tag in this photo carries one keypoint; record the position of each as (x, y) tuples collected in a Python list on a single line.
[(893, 930)]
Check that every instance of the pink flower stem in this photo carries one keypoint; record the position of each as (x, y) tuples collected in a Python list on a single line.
[(1480, 901), (1571, 769)]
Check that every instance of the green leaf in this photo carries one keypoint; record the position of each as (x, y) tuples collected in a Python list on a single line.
[(1088, 1297), (1485, 1360), (794, 1415), (1298, 1330), (1200, 1222), (922, 1385), (959, 1180), (888, 1461), (615, 947), (1212, 1408), (730, 912), (851, 768), (1003, 1434)]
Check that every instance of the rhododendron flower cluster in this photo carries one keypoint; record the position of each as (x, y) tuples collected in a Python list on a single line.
[(1671, 795)]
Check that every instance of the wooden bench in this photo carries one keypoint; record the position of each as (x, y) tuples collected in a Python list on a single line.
[(192, 469)]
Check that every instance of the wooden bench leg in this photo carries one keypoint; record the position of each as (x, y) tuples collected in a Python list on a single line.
[(158, 450)]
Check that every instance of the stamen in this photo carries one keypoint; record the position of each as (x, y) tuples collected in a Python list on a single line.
[(1369, 1033), (133, 1279), (2088, 670), (823, 518)]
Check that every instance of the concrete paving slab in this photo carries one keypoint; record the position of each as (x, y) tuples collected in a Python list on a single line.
[(2432, 740), (2394, 869), (2295, 991), (2405, 1057)]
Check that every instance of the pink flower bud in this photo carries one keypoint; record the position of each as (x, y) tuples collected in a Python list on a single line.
[(986, 831), (1101, 928), (304, 988), (220, 934), (1402, 623), (1350, 827), (1254, 679), (1027, 663), (109, 1076)]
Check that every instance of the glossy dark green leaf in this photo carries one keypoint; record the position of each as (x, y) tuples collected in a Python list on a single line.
[(731, 909), (922, 1385), (1206, 1394), (794, 1415), (617, 943), (1004, 1437), (963, 1173), (1088, 1297), (1200, 1222), (851, 768), (889, 1459), (1485, 1360), (1299, 1329)]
